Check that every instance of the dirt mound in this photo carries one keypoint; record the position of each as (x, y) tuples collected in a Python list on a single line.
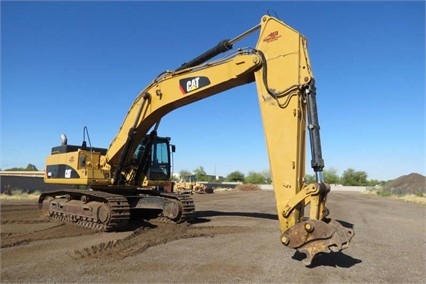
[(409, 184), (247, 187)]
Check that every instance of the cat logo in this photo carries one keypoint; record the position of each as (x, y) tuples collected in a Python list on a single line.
[(68, 173), (193, 83), (271, 37)]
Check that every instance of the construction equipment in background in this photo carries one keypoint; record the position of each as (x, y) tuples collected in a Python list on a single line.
[(188, 185)]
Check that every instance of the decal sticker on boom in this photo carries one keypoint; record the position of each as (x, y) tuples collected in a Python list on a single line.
[(193, 83), (272, 37)]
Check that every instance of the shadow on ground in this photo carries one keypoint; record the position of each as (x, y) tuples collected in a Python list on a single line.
[(333, 259), (213, 213)]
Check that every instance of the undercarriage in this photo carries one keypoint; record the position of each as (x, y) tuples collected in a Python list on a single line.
[(111, 209)]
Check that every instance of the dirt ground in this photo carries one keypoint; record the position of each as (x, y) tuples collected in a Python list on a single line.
[(235, 240)]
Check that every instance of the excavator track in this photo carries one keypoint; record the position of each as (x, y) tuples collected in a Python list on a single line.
[(94, 210), (106, 211), (187, 210)]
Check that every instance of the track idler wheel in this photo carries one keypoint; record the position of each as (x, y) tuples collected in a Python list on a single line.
[(104, 214), (312, 237), (172, 210), (45, 206)]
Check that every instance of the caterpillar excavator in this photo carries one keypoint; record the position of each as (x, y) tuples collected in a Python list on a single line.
[(133, 174)]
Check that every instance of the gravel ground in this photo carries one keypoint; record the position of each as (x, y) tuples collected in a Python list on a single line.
[(236, 239)]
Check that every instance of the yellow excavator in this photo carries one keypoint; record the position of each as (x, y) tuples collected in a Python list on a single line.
[(188, 184), (133, 174)]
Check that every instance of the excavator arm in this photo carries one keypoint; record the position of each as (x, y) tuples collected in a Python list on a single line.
[(287, 97)]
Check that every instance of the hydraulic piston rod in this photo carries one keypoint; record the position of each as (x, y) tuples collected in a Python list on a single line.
[(222, 46), (317, 162)]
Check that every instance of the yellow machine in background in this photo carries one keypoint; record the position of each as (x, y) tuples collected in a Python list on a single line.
[(133, 174), (188, 185)]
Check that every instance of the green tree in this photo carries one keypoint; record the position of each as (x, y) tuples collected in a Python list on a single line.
[(309, 179), (330, 176), (235, 176), (267, 175), (374, 182), (200, 174), (255, 178), (184, 173), (15, 169), (30, 167), (176, 178), (354, 178)]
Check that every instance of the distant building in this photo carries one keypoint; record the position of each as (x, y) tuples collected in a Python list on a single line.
[(26, 181)]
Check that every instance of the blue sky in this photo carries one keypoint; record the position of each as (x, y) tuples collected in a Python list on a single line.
[(66, 65)]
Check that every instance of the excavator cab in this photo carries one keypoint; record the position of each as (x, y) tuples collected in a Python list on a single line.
[(151, 161), (160, 167)]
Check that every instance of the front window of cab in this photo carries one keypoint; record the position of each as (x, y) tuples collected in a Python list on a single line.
[(160, 161)]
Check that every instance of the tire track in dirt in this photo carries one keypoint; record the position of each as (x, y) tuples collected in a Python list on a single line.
[(145, 234), (12, 221), (14, 215), (148, 236), (41, 227), (57, 231)]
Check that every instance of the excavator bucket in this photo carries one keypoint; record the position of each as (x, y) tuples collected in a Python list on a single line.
[(312, 237)]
